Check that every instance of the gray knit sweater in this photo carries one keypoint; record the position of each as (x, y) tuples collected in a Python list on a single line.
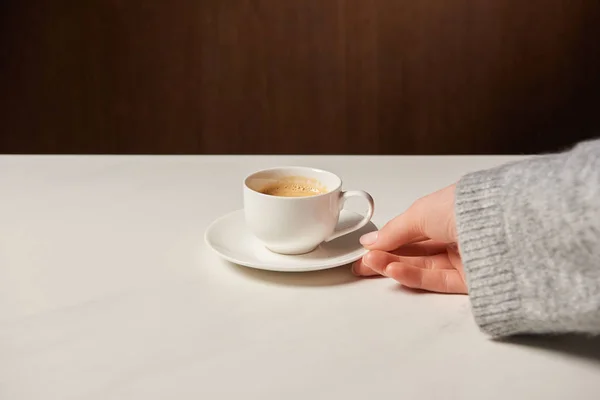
[(529, 236)]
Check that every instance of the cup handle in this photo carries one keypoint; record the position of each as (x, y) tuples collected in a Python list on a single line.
[(343, 197)]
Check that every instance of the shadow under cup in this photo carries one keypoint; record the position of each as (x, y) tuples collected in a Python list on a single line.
[(296, 225)]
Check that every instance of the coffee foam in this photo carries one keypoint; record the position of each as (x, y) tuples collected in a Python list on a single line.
[(293, 187)]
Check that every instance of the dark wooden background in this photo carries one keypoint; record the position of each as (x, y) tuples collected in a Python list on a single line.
[(298, 76)]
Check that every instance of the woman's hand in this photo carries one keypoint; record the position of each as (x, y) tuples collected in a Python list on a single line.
[(419, 247)]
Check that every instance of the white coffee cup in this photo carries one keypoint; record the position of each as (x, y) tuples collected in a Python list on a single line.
[(297, 225)]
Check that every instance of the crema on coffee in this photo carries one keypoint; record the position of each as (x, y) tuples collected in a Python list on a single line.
[(293, 187)]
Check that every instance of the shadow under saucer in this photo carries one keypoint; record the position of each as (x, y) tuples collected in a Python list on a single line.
[(326, 277)]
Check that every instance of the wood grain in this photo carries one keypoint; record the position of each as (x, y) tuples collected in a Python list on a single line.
[(298, 77)]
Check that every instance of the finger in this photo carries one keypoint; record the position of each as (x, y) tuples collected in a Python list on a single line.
[(360, 269), (456, 261), (431, 216), (433, 280), (379, 260), (424, 248)]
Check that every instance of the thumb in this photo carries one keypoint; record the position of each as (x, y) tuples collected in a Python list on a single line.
[(403, 229), (431, 217)]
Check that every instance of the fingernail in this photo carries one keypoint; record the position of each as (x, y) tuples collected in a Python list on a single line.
[(353, 269), (368, 238)]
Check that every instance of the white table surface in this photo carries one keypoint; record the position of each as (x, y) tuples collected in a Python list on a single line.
[(107, 291)]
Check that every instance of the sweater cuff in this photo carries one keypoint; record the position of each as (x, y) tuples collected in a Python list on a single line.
[(491, 281)]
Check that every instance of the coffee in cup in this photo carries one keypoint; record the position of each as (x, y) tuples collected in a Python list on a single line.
[(293, 186), (292, 210)]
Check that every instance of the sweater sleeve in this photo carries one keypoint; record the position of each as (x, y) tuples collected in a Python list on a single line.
[(529, 237)]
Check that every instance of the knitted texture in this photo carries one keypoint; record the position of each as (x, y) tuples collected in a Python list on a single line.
[(529, 237)]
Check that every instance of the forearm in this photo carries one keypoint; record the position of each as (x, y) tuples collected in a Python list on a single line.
[(529, 235)]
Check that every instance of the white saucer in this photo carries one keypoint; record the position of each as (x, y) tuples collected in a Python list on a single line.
[(229, 238)]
